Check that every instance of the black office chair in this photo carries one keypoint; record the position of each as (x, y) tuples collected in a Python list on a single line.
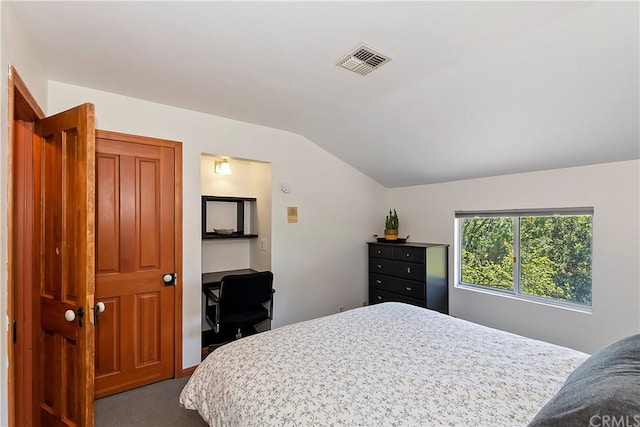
[(240, 304)]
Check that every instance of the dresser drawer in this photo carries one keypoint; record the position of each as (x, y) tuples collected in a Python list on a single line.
[(407, 270), (377, 296), (380, 251), (402, 270), (379, 265), (399, 286), (409, 254)]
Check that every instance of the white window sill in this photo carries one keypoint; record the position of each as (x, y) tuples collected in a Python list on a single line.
[(578, 308)]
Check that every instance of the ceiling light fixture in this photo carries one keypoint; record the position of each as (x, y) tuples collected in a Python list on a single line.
[(223, 167)]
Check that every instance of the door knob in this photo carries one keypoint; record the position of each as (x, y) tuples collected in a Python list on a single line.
[(71, 315), (169, 279), (98, 308)]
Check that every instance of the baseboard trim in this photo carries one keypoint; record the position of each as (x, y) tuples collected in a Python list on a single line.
[(187, 371)]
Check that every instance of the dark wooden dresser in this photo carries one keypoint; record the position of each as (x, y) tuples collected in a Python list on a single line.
[(414, 273)]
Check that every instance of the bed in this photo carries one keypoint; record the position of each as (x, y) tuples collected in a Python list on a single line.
[(385, 364)]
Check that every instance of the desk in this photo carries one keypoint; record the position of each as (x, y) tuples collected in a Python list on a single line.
[(212, 280)]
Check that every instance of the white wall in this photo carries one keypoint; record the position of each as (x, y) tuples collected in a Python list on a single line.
[(260, 181), (16, 50), (319, 264), (613, 189)]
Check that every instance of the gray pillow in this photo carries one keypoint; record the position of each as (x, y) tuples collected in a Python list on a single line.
[(603, 391)]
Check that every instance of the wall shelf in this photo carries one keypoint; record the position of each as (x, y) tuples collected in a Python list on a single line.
[(211, 236), (208, 203)]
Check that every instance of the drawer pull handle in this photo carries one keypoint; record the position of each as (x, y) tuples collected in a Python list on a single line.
[(409, 270), (378, 281), (408, 288), (408, 254), (379, 265), (379, 297), (379, 252)]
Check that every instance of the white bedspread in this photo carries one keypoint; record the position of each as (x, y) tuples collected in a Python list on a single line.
[(381, 365)]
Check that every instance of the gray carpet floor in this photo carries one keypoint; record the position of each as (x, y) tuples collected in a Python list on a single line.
[(153, 405)]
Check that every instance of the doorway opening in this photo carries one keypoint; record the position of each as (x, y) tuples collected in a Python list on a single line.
[(246, 187)]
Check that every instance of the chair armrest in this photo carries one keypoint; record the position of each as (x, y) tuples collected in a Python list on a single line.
[(213, 297), (216, 301), (273, 291)]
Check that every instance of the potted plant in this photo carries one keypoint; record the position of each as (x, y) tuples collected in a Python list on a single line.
[(391, 226)]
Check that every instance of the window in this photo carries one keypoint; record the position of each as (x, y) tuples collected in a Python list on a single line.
[(530, 253)]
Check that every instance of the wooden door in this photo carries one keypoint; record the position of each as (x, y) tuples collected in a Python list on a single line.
[(135, 248), (64, 160)]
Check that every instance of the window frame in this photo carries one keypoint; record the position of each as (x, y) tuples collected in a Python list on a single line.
[(516, 215)]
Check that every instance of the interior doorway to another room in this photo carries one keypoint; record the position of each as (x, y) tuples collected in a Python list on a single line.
[(246, 187), (248, 179)]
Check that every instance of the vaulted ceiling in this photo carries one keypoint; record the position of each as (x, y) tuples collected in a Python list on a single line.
[(473, 88)]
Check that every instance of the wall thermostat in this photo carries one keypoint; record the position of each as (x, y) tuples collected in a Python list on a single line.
[(286, 188)]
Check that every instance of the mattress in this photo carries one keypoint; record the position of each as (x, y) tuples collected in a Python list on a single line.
[(381, 365)]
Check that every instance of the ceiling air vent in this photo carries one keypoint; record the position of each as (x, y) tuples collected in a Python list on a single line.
[(363, 60)]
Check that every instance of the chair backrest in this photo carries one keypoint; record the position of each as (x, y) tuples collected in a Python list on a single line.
[(240, 291)]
